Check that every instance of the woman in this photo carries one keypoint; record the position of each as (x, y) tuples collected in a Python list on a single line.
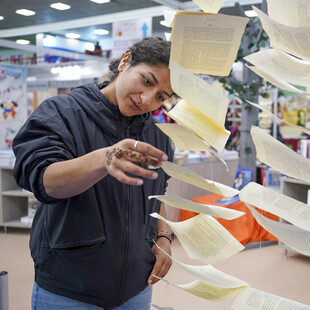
[(92, 158)]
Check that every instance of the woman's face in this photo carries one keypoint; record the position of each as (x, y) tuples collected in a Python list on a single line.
[(141, 88)]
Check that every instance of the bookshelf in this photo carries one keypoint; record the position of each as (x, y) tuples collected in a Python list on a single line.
[(298, 190), (14, 201)]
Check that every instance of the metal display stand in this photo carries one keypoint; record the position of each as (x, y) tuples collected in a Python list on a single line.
[(4, 291)]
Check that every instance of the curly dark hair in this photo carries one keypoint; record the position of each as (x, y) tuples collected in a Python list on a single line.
[(153, 51)]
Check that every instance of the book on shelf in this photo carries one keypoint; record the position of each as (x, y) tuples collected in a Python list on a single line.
[(242, 178)]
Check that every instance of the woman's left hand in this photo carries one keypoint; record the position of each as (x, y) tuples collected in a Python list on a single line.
[(163, 262)]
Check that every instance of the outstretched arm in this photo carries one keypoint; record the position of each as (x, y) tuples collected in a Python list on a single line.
[(68, 178)]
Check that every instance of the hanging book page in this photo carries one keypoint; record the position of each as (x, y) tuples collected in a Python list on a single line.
[(275, 81), (189, 205), (203, 238), (280, 157), (206, 43), (187, 140), (191, 118), (210, 275), (282, 66), (295, 238), (210, 6), (253, 299), (264, 198), (186, 175), (292, 40), (212, 102), (290, 13), (307, 131), (207, 291)]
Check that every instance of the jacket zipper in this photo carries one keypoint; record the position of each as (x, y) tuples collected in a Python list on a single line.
[(125, 256)]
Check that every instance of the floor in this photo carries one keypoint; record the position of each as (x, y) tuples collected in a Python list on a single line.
[(263, 268)]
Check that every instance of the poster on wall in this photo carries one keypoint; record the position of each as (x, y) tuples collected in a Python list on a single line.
[(125, 33), (13, 103)]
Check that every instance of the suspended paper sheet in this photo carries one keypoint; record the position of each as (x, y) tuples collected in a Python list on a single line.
[(212, 102), (276, 82), (307, 131), (206, 43), (203, 238), (294, 237), (210, 6), (184, 138), (282, 66), (218, 279), (253, 299), (13, 103), (290, 13), (207, 291), (187, 140), (210, 275), (188, 176), (292, 40), (189, 205), (192, 119), (264, 198), (280, 157)]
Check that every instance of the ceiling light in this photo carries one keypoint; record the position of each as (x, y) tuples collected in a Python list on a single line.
[(60, 6), (101, 32), (68, 70), (100, 1), (49, 41), (1, 17), (90, 46), (25, 12), (250, 13), (72, 35), (22, 41)]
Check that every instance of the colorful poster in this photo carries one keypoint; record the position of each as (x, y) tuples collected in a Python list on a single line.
[(13, 103), (125, 33), (294, 109)]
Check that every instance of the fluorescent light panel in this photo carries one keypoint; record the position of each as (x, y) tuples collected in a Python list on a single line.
[(90, 46), (101, 32), (60, 6), (22, 41), (25, 12), (1, 17), (250, 13), (72, 35), (100, 1)]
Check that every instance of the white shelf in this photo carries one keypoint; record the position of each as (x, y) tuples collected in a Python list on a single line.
[(14, 201), (298, 190), (16, 224), (17, 193)]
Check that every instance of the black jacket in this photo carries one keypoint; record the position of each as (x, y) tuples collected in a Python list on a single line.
[(93, 247)]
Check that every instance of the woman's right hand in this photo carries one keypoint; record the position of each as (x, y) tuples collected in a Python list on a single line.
[(121, 158), (69, 178)]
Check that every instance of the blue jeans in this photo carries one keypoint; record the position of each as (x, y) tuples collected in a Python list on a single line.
[(45, 300)]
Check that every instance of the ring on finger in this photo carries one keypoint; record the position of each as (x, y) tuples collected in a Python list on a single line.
[(135, 145)]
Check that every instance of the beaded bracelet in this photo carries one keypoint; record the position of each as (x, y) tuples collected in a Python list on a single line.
[(163, 234)]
